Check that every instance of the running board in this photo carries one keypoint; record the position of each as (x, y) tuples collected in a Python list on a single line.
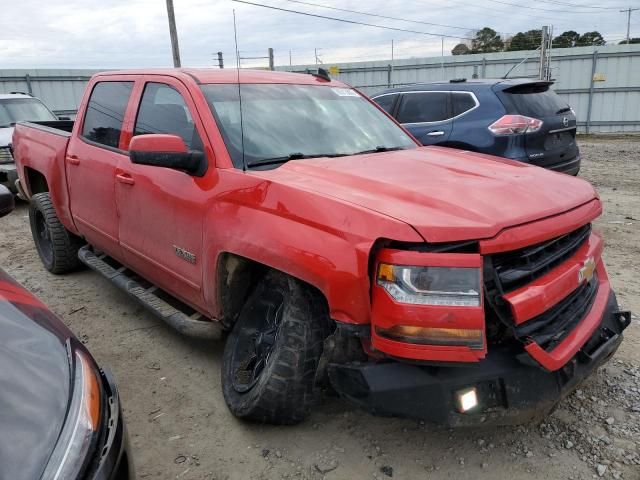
[(191, 325)]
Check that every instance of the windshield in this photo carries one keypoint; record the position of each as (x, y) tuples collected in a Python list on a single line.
[(290, 122), (14, 110)]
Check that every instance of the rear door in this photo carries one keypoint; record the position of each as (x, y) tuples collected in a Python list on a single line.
[(427, 115), (91, 161), (554, 145)]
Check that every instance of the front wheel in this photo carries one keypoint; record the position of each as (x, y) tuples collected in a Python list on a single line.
[(272, 353)]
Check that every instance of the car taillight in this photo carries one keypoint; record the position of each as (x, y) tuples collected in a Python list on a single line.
[(514, 125)]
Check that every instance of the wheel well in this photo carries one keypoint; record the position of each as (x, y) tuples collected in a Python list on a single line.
[(37, 183), (237, 277)]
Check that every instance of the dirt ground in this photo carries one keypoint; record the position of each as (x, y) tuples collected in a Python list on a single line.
[(180, 427)]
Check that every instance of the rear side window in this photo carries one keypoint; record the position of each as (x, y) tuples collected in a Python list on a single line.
[(424, 107), (462, 102), (535, 100), (386, 102), (105, 112), (163, 110)]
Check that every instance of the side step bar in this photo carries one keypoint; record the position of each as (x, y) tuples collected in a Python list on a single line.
[(194, 325)]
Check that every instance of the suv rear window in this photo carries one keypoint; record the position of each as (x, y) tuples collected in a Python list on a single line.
[(535, 100), (105, 112)]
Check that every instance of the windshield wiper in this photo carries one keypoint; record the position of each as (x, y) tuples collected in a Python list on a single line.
[(379, 149), (562, 110), (291, 156)]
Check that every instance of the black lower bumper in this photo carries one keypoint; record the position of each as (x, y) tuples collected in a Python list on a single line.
[(114, 460), (510, 388)]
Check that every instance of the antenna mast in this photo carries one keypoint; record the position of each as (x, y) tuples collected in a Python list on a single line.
[(235, 37)]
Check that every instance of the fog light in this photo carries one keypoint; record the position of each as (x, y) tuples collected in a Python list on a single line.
[(467, 399)]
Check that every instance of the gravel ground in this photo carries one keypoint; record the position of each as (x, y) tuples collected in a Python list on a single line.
[(180, 427)]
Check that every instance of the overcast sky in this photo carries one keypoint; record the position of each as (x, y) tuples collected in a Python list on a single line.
[(134, 33)]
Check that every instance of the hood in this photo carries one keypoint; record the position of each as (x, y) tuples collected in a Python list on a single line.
[(5, 136), (34, 381), (445, 194)]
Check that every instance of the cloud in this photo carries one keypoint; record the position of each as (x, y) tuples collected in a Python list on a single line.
[(134, 33)]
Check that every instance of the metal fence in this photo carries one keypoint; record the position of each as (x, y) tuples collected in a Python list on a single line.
[(602, 84)]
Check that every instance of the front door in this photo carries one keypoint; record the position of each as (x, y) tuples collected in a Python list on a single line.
[(92, 158), (161, 209), (427, 115)]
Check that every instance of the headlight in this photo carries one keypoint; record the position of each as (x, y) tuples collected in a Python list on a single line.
[(431, 285), (81, 426)]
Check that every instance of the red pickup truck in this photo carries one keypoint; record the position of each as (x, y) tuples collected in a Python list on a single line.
[(292, 213)]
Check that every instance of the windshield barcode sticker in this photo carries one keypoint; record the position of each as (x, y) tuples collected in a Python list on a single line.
[(345, 92)]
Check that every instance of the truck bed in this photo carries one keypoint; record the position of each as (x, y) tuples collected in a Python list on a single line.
[(42, 147)]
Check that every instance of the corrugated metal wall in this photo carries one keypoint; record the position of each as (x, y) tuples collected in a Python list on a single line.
[(615, 95), (614, 98)]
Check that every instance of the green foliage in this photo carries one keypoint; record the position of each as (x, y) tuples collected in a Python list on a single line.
[(460, 49), (525, 40), (631, 40), (566, 39), (590, 38), (487, 40)]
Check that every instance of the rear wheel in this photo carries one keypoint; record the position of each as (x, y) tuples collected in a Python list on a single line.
[(272, 353), (56, 246)]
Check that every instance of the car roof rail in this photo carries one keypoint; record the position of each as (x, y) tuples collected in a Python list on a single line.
[(21, 93), (457, 80)]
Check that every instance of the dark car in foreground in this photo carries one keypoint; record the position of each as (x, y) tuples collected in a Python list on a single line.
[(520, 119), (60, 416)]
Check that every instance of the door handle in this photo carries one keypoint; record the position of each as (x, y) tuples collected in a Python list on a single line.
[(73, 159), (125, 178), (435, 133)]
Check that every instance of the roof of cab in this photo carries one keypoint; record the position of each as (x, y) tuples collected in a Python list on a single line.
[(230, 75)]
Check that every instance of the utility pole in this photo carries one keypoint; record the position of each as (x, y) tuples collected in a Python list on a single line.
[(271, 62), (220, 60), (290, 58), (315, 52), (628, 11), (175, 49), (543, 53)]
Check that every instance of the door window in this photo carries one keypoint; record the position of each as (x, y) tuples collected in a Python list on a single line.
[(462, 102), (424, 107), (163, 110), (105, 112), (386, 102)]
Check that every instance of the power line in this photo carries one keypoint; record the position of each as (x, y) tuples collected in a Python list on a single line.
[(350, 21), (579, 6), (538, 8), (381, 16)]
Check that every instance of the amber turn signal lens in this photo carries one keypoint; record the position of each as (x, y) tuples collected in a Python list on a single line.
[(385, 272), (472, 338)]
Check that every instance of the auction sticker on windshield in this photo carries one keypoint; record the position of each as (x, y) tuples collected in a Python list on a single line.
[(345, 92)]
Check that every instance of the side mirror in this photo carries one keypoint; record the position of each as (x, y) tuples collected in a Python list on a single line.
[(7, 203), (169, 151), (64, 118)]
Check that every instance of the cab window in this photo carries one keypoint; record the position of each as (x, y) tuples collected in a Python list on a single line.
[(163, 110), (105, 112)]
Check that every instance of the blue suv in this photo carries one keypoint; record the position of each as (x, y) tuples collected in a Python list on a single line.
[(521, 119)]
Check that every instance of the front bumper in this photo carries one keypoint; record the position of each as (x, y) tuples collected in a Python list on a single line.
[(511, 388), (8, 175), (113, 459)]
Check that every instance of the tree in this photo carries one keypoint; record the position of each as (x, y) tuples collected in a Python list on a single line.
[(566, 39), (526, 41), (631, 40), (590, 38), (460, 49), (486, 40)]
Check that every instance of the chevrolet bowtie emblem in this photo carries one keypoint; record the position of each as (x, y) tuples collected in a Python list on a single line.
[(585, 274)]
